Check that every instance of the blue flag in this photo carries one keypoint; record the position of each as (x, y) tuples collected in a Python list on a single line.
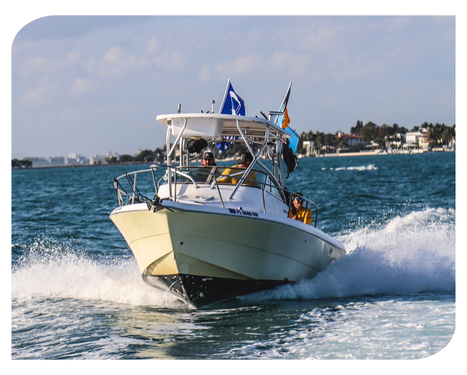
[(293, 142), (222, 146), (232, 104)]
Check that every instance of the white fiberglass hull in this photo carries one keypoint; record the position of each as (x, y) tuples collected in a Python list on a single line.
[(205, 255)]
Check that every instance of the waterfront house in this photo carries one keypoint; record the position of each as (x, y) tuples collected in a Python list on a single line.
[(351, 139), (423, 142)]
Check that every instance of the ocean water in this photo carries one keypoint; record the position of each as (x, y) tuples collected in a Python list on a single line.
[(76, 292)]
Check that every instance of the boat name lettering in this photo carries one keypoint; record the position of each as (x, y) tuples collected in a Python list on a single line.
[(244, 213)]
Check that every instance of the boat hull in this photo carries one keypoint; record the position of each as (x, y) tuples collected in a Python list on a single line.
[(199, 291), (208, 256)]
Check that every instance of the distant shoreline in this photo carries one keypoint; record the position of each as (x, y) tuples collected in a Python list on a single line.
[(370, 153), (78, 166), (373, 153), (351, 154)]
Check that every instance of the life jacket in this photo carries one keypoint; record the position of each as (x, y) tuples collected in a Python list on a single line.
[(304, 215)]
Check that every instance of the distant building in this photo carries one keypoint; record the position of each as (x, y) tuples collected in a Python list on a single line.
[(395, 141), (308, 146), (412, 139), (351, 139), (76, 159), (100, 159), (56, 160), (38, 162), (423, 142)]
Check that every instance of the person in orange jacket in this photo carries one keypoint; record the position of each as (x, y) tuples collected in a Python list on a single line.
[(243, 162), (298, 212)]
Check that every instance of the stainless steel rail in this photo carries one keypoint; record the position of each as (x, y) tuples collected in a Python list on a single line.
[(175, 175)]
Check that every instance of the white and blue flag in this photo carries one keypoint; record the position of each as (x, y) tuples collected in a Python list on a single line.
[(232, 104)]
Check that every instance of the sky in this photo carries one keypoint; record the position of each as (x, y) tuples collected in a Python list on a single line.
[(94, 84)]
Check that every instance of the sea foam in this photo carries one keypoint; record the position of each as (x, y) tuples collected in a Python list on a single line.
[(409, 254), (54, 270), (370, 167)]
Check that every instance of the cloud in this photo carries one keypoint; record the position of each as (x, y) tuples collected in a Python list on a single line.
[(115, 62), (242, 64), (170, 60), (39, 96), (294, 65), (114, 55), (90, 64), (324, 38), (73, 57), (36, 65), (204, 74), (81, 86), (153, 46)]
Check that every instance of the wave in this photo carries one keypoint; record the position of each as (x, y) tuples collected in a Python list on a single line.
[(406, 255), (54, 270), (370, 167)]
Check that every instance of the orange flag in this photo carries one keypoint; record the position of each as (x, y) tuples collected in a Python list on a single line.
[(286, 121)]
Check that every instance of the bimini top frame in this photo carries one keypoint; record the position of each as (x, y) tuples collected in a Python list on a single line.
[(226, 128)]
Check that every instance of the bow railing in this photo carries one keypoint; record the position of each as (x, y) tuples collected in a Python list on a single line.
[(143, 185)]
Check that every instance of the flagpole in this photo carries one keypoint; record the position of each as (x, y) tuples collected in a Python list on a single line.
[(283, 105), (225, 95), (286, 98)]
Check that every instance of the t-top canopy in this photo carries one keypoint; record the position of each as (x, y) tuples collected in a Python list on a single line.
[(220, 126)]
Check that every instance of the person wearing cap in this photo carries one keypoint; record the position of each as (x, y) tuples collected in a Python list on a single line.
[(243, 162), (298, 212), (208, 159)]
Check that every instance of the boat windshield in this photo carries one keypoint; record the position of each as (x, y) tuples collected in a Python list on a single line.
[(224, 175)]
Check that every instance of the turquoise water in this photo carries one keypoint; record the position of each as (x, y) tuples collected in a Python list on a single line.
[(77, 294)]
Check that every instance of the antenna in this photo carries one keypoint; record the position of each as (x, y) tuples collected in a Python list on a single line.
[(212, 105)]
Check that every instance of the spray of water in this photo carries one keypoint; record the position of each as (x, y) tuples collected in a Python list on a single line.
[(53, 270), (409, 254)]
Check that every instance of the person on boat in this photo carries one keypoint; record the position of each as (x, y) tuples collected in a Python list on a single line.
[(243, 162), (208, 159), (298, 212)]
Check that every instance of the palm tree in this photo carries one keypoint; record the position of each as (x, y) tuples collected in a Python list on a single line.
[(448, 135)]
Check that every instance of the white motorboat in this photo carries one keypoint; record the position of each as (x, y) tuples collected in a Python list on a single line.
[(210, 234)]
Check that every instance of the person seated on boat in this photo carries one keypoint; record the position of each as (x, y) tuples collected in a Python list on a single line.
[(208, 159), (243, 162), (298, 212)]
